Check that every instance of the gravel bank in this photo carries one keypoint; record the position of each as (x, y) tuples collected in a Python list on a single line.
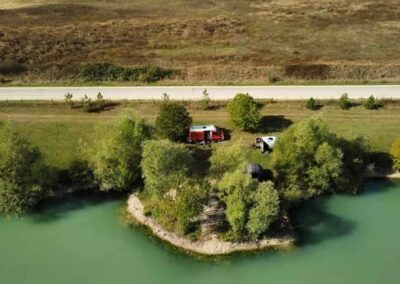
[(211, 246)]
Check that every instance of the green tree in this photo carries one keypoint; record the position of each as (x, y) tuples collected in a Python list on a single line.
[(229, 158), (173, 121), (244, 112), (306, 161), (345, 102), (21, 172), (355, 162), (116, 153), (395, 152), (265, 209), (165, 165), (236, 189), (188, 204)]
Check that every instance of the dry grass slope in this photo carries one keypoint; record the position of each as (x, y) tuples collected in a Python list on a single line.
[(236, 41)]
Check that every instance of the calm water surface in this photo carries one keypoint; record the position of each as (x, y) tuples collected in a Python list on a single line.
[(344, 240)]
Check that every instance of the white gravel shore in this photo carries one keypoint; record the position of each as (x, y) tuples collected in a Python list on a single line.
[(211, 246)]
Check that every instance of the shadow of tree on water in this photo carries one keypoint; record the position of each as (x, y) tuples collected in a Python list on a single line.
[(314, 224), (55, 208)]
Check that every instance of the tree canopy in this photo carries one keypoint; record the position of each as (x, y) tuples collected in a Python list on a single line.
[(116, 154), (307, 161), (245, 112), (228, 158), (165, 165), (173, 121), (250, 206), (21, 173)]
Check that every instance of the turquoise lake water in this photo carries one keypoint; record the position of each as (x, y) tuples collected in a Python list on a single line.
[(344, 239)]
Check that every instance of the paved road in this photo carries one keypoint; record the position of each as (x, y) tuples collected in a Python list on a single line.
[(195, 93)]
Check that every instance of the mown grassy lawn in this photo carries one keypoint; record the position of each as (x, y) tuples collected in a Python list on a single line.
[(57, 130)]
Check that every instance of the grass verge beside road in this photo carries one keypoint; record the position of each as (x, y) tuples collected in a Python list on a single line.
[(57, 130)]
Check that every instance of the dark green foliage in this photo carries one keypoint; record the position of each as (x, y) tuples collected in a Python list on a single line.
[(245, 112), (264, 210), (250, 206), (21, 173), (355, 161), (12, 68), (108, 72), (116, 153), (165, 165), (345, 102), (229, 158), (371, 103), (312, 104), (306, 161), (173, 121), (188, 204)]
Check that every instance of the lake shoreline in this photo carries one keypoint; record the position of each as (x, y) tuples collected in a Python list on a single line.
[(211, 246)]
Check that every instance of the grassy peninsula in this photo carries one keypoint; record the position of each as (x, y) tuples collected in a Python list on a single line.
[(196, 192)]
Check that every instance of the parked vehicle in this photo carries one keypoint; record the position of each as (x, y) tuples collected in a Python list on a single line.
[(266, 143), (205, 134)]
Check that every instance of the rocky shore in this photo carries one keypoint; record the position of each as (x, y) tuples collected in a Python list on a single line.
[(210, 246)]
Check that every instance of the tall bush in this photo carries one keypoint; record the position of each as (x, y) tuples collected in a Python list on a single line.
[(165, 165), (306, 161), (244, 112), (21, 173), (173, 121), (116, 153), (345, 102)]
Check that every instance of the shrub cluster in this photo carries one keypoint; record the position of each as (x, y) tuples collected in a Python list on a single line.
[(12, 68), (173, 121), (312, 104), (97, 72), (244, 112), (345, 102), (309, 161), (21, 173), (372, 103)]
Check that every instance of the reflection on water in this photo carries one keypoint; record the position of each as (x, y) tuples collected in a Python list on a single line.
[(80, 239)]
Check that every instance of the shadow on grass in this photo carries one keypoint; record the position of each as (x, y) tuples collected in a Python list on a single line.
[(273, 123), (314, 224)]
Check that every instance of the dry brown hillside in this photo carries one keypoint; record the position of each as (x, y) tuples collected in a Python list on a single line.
[(208, 41)]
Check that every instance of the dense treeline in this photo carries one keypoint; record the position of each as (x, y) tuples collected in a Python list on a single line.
[(99, 72)]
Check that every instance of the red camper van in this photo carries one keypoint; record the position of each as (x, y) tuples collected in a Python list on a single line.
[(205, 134)]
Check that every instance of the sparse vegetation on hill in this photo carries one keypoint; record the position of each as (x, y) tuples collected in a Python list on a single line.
[(235, 41)]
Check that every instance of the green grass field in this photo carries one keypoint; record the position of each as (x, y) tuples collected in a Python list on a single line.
[(57, 130)]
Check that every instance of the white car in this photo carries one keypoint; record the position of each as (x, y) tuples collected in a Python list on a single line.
[(266, 143)]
